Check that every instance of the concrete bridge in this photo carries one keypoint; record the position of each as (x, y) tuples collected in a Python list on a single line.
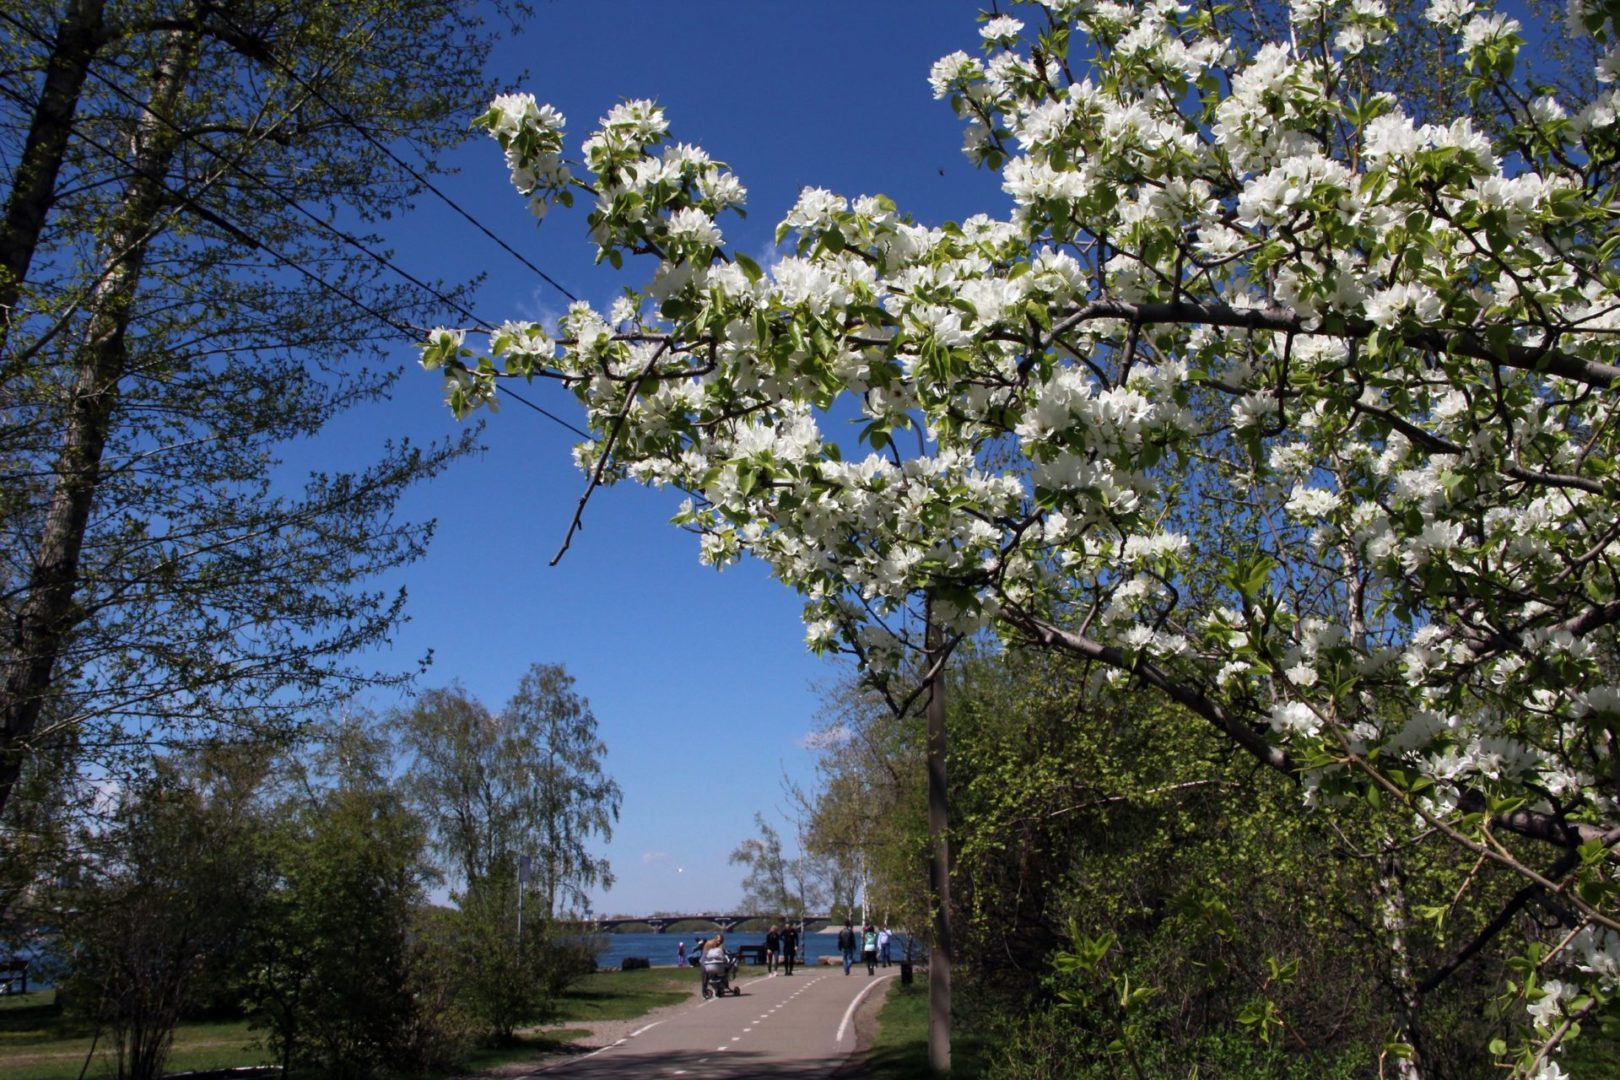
[(725, 921)]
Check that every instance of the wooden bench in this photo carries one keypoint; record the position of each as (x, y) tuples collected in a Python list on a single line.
[(14, 976), (750, 954)]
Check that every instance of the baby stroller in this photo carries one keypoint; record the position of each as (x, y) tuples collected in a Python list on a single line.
[(719, 969)]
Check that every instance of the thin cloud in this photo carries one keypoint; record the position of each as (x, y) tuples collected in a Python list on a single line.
[(827, 738)]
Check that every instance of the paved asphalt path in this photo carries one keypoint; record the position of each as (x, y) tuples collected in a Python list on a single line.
[(786, 1027)]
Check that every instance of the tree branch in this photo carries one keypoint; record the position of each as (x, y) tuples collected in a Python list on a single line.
[(1284, 320)]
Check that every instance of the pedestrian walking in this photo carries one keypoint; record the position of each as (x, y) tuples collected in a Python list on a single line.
[(773, 947), (884, 940), (680, 954), (846, 945), (790, 947), (869, 948)]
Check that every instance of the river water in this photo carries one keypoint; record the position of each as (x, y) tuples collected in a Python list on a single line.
[(660, 948)]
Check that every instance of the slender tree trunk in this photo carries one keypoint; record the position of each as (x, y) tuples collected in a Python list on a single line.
[(33, 186), (1390, 887), (1390, 890), (939, 868), (47, 616)]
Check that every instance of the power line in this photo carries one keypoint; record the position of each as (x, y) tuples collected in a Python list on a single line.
[(240, 235), (353, 124), (553, 417), (235, 166)]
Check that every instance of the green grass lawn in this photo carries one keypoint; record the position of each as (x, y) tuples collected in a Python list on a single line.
[(623, 995), (39, 1042), (899, 1051), (606, 995)]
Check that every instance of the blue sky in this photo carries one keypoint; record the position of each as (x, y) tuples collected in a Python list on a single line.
[(700, 681)]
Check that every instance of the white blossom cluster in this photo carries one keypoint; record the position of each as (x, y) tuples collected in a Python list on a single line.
[(1244, 337), (531, 135)]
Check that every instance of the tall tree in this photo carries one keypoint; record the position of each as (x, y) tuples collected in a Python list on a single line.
[(527, 781), (766, 888), (179, 309), (501, 791), (568, 791), (463, 777), (162, 898), (865, 816), (778, 883), (338, 966)]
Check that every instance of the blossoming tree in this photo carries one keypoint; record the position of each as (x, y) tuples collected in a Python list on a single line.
[(1237, 287)]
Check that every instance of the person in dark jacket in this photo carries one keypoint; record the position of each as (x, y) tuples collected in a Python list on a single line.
[(773, 947), (790, 947), (846, 945)]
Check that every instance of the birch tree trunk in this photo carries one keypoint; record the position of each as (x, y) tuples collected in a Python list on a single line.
[(34, 184), (939, 870), (47, 617)]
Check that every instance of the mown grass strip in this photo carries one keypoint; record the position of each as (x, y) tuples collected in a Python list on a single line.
[(625, 995), (38, 1041)]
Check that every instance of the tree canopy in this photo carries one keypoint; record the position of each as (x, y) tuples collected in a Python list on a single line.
[(526, 783), (177, 307), (1269, 393)]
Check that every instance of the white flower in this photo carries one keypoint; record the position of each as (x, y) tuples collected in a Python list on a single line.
[(1307, 503), (1294, 718), (820, 633), (1545, 1012), (693, 226), (1301, 675), (641, 121), (1449, 13), (443, 337), (993, 298), (815, 209), (723, 189), (1546, 108), (512, 111), (1003, 28), (1253, 409), (943, 324), (1385, 307), (949, 71), (1601, 699), (1392, 135), (1484, 30), (1145, 549)]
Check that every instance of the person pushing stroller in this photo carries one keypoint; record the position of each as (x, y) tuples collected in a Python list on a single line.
[(719, 968)]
